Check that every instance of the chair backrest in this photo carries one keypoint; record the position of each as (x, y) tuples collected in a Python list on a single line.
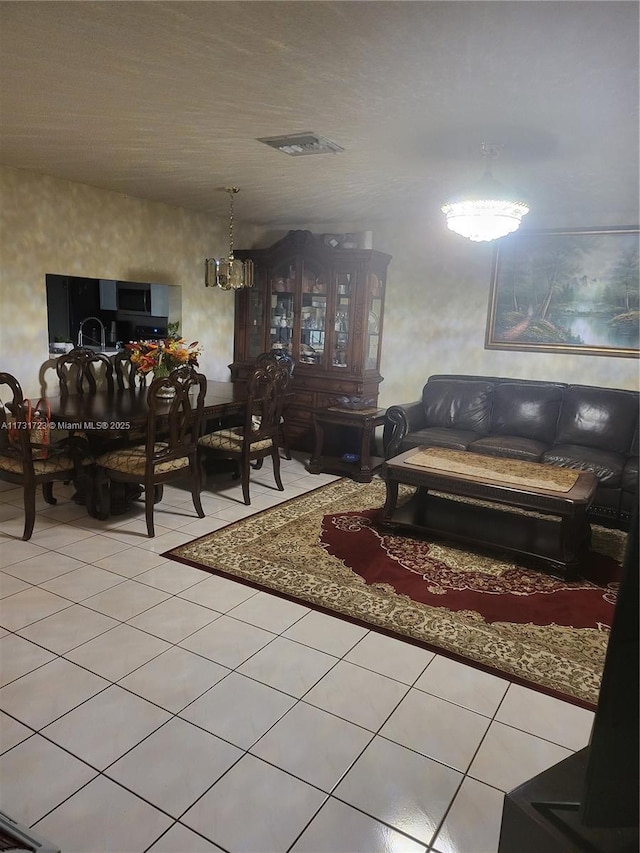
[(266, 398), (175, 421), (80, 370), (15, 435), (277, 358), (124, 371)]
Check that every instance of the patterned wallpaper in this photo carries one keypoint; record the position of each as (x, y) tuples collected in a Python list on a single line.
[(437, 293)]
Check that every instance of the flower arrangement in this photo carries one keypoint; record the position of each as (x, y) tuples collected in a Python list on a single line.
[(163, 356)]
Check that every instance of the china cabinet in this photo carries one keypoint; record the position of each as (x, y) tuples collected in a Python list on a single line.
[(324, 307)]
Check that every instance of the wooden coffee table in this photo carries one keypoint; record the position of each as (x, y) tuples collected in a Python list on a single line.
[(553, 531)]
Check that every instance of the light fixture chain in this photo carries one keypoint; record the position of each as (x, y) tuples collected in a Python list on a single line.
[(232, 191)]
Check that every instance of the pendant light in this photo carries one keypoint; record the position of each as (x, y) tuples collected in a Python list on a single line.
[(488, 210), (229, 273)]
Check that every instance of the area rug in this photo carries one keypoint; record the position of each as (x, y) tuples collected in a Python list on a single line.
[(327, 550)]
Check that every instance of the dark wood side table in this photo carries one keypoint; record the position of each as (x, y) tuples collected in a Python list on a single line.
[(336, 453)]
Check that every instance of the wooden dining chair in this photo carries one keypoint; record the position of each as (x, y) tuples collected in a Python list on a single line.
[(20, 451), (282, 359), (124, 372), (80, 370), (169, 451), (258, 437)]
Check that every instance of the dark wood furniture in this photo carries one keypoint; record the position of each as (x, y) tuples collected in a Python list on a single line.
[(19, 462), (323, 307), (258, 437), (169, 452), (82, 370), (282, 358), (344, 440), (559, 545)]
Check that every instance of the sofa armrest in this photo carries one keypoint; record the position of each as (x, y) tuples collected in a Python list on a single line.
[(400, 420)]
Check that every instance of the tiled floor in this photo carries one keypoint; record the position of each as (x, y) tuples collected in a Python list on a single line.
[(149, 706)]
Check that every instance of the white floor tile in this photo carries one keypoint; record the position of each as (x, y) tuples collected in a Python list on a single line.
[(93, 548), (124, 720), (125, 600), (401, 788), (41, 776), (508, 757), (358, 695), (15, 550), (59, 535), (479, 691), (339, 827), (313, 745), (103, 818), (179, 839), (130, 563), (82, 583), (10, 584), (174, 679), (37, 570), (174, 766), (325, 633), (19, 656), (219, 593), (288, 666), (221, 814), (269, 612), (390, 657), (68, 628), (227, 641), (436, 728), (27, 606), (238, 709), (473, 822), (174, 619), (117, 652), (48, 692), (546, 717), (171, 577), (11, 732)]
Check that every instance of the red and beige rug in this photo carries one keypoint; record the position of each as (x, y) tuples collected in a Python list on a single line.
[(325, 549)]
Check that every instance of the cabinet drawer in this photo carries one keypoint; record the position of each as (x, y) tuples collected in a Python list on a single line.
[(304, 398)]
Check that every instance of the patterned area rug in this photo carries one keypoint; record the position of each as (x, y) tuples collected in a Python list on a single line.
[(325, 549)]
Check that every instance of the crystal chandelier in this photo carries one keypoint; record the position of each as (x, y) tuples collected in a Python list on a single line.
[(229, 273), (487, 211)]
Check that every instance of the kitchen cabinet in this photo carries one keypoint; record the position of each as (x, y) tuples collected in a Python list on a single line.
[(160, 300), (108, 294), (324, 307)]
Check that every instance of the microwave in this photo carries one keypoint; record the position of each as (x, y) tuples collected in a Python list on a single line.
[(134, 298)]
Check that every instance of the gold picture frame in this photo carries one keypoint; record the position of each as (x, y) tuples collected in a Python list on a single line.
[(572, 291)]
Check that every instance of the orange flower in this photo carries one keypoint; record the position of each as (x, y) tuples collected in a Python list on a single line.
[(170, 353)]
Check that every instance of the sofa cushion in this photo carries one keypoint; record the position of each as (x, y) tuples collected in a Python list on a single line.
[(455, 439), (602, 418), (607, 466), (510, 446), (461, 404), (530, 411)]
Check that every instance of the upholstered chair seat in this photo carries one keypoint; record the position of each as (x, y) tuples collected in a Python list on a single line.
[(132, 460)]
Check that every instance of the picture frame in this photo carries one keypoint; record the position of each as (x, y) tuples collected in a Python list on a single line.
[(566, 291)]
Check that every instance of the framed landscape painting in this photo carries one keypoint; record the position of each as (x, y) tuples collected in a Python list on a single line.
[(566, 291)]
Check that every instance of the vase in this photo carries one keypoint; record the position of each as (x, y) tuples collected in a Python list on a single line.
[(168, 391)]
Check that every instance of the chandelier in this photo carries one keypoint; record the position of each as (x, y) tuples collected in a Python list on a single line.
[(487, 211), (229, 273)]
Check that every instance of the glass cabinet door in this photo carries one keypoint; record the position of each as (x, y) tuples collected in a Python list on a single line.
[(342, 321), (282, 312), (374, 320), (255, 333), (313, 313)]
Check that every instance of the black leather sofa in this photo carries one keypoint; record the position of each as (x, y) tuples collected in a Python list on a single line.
[(574, 426)]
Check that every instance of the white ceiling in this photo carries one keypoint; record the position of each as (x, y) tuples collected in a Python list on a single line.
[(165, 101)]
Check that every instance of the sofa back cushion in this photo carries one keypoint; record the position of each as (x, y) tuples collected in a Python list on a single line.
[(526, 410), (605, 418), (460, 403)]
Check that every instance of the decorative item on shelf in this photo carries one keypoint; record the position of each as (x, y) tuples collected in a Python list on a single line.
[(229, 273), (355, 402), (487, 211), (161, 357)]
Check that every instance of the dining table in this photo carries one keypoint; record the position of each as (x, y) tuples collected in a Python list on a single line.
[(103, 418)]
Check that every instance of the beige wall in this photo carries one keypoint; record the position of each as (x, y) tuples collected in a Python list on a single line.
[(437, 294), (53, 226)]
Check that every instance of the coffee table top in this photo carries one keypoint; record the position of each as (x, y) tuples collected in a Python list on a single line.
[(442, 465)]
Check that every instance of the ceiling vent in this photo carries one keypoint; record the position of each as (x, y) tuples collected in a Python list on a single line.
[(298, 144)]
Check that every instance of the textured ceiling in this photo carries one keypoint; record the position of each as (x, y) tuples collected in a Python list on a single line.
[(165, 101)]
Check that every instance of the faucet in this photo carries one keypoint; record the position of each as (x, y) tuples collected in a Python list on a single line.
[(103, 332)]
